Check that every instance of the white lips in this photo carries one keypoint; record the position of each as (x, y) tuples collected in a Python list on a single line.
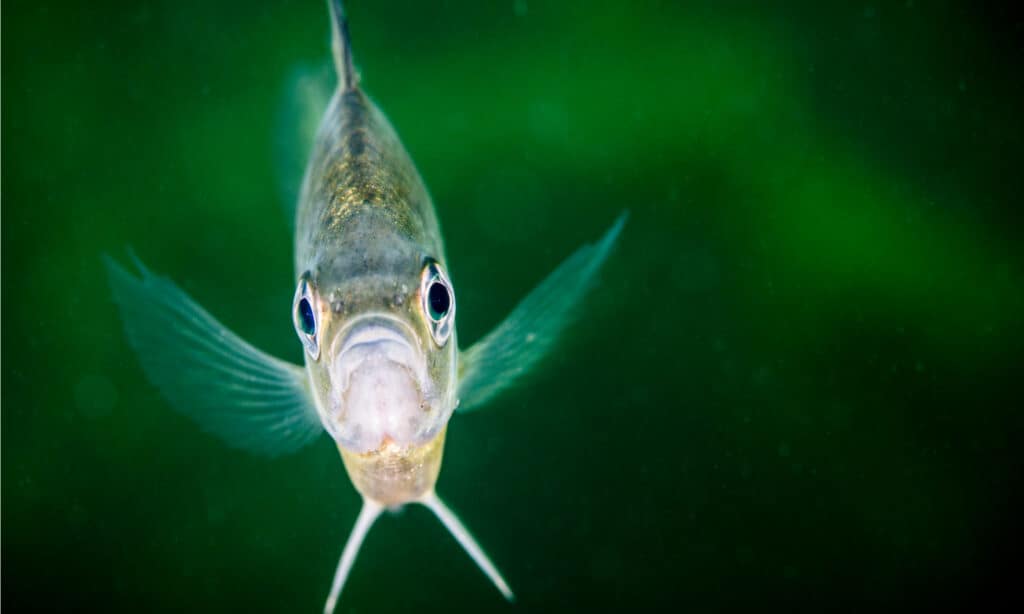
[(371, 334), (378, 343), (380, 388)]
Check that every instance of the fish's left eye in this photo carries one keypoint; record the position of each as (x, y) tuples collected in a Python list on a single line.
[(304, 317), (438, 302)]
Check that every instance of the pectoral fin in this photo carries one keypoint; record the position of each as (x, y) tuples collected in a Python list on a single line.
[(532, 329), (250, 399)]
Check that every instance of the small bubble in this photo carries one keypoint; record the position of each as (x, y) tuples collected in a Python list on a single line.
[(784, 449), (95, 395), (519, 8)]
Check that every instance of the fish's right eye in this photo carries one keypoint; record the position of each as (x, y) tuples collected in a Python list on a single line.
[(304, 317)]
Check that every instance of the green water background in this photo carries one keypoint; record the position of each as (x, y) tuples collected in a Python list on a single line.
[(796, 386)]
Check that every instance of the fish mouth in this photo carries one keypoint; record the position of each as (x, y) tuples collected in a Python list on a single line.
[(381, 389), (374, 334)]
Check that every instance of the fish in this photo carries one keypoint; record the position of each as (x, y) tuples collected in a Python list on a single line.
[(374, 311)]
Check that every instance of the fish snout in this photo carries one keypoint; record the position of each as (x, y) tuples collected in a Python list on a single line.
[(380, 388)]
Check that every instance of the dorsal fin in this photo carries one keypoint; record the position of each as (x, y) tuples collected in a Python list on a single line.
[(341, 47)]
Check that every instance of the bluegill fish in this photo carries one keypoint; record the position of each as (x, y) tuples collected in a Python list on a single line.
[(374, 310)]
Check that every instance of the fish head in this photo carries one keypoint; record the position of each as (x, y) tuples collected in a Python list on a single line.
[(378, 326)]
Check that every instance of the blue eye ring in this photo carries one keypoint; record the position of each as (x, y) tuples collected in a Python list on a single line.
[(307, 321), (304, 316)]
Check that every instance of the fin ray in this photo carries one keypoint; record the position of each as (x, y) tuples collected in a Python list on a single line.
[(231, 389), (367, 516), (462, 535)]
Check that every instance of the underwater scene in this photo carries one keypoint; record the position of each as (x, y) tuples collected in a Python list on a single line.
[(739, 290)]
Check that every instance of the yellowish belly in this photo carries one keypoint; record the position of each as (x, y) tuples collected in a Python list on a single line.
[(394, 475)]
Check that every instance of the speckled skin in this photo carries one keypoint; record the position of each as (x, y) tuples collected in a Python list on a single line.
[(365, 228), (395, 476), (360, 180)]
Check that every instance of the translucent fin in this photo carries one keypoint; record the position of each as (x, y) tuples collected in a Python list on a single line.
[(532, 328), (250, 399), (341, 47), (306, 97), (462, 535), (367, 516)]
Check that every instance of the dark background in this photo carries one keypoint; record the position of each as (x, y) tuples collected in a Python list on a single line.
[(796, 386)]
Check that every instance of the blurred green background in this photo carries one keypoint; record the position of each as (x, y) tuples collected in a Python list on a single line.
[(797, 384)]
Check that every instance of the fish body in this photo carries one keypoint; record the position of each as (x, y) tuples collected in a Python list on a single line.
[(374, 310)]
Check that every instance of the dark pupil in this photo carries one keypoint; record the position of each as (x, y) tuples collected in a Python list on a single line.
[(439, 301), (306, 319)]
